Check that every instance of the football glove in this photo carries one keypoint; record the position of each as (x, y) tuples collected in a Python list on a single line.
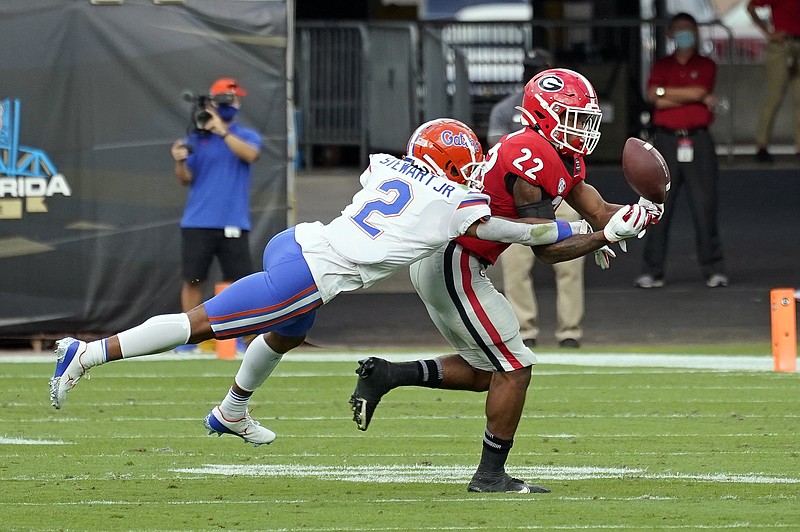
[(627, 222), (656, 210), (603, 256), (581, 227)]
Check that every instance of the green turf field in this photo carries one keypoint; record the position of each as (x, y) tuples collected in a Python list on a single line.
[(621, 448)]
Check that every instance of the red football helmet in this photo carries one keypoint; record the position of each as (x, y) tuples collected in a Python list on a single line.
[(450, 149), (563, 104)]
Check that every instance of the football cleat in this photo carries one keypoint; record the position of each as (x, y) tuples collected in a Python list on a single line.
[(186, 349), (501, 483), (246, 428), (372, 385), (69, 369)]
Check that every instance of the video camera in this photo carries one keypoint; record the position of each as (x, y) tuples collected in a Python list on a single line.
[(200, 115)]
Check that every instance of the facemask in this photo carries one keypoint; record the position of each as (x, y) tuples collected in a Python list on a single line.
[(226, 112), (684, 40)]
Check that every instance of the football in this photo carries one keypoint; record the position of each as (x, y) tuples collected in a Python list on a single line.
[(645, 170)]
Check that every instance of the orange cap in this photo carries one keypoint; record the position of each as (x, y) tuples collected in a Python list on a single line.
[(227, 86)]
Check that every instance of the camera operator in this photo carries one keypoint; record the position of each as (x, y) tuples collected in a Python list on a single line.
[(215, 160)]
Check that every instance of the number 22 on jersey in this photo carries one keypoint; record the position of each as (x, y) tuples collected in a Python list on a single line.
[(526, 164)]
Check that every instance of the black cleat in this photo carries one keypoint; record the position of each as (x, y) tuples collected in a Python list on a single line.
[(373, 384), (501, 483)]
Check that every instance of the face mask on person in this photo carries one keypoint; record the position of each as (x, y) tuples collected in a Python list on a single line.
[(684, 39), (226, 112)]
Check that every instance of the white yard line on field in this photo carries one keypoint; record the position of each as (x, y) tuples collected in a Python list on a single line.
[(22, 441), (651, 360), (462, 474)]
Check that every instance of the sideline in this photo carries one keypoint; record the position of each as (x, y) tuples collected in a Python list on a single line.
[(644, 360)]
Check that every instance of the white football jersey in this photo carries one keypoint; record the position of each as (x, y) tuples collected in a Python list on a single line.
[(401, 214)]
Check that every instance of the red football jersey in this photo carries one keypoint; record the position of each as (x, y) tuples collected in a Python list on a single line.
[(529, 156)]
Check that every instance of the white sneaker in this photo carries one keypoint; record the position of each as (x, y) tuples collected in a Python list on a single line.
[(717, 280), (69, 369), (648, 281), (246, 428)]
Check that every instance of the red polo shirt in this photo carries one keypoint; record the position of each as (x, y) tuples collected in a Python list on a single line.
[(785, 14), (668, 72)]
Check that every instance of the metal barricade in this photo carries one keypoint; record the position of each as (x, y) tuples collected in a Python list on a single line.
[(371, 84), (331, 86), (392, 99), (351, 77)]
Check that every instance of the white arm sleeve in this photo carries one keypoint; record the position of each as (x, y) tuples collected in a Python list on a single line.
[(500, 230)]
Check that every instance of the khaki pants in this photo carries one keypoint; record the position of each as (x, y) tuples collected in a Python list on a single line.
[(517, 264), (782, 64)]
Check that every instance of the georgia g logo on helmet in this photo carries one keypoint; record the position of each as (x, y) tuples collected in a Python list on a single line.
[(551, 83)]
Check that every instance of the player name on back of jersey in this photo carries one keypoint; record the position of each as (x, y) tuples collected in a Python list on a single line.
[(406, 168)]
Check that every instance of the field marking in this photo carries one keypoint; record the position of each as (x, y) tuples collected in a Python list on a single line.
[(23, 441), (283, 372), (714, 362), (393, 500), (651, 360), (478, 498), (416, 436), (460, 474), (265, 414), (412, 456)]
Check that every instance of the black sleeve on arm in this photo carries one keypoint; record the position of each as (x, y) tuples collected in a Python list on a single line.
[(540, 209)]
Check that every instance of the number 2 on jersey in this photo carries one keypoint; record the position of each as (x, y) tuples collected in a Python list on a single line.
[(392, 207)]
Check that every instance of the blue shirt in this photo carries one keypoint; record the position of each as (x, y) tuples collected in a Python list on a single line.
[(219, 194)]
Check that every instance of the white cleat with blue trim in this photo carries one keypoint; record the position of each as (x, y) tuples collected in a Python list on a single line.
[(246, 428), (69, 369)]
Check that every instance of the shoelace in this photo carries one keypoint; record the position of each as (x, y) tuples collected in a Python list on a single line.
[(251, 421), (248, 421)]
